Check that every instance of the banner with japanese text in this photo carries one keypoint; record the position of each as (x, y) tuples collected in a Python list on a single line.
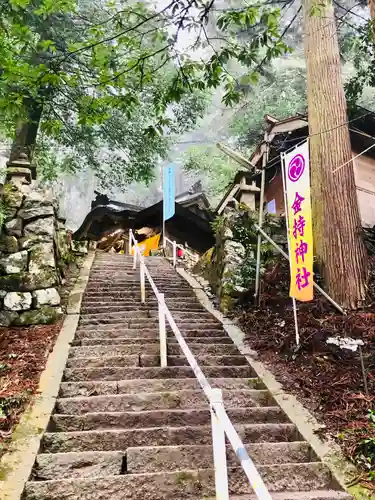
[(301, 252), (169, 192)]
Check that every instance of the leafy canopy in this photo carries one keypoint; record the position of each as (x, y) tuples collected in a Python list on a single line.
[(108, 82)]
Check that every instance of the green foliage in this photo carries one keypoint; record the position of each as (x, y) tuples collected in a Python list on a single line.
[(361, 46), (9, 404), (218, 224), (244, 232), (365, 449), (214, 168), (108, 79), (361, 443), (281, 94)]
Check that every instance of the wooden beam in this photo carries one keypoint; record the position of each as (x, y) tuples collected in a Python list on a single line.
[(224, 202), (244, 162)]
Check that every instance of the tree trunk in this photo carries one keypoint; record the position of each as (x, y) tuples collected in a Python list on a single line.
[(27, 131), (339, 245), (371, 6)]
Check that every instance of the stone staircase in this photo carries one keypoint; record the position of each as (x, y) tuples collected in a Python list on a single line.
[(126, 429)]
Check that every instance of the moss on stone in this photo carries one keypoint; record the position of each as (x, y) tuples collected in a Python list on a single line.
[(12, 196), (7, 318), (8, 244), (27, 282), (46, 315)]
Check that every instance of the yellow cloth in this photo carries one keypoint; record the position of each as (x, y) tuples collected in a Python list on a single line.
[(147, 245)]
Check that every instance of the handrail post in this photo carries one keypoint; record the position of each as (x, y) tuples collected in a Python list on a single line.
[(162, 331), (130, 241), (219, 448), (143, 281), (135, 255), (174, 254)]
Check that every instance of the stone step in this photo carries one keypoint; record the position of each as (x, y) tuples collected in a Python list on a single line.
[(181, 485), (133, 303), (158, 418), (103, 341), (77, 465), (184, 399), (169, 458), (119, 373), (108, 331), (97, 388), (126, 322), (146, 312), (114, 440), (155, 459), (146, 360), (115, 307), (121, 286), (135, 291), (115, 349), (123, 276), (91, 299), (296, 495)]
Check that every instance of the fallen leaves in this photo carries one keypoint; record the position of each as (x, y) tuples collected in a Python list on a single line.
[(328, 380)]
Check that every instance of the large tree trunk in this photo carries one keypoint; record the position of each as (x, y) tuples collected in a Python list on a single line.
[(371, 6), (27, 130), (339, 245)]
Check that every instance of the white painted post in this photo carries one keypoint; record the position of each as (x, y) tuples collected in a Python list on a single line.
[(130, 241), (162, 331), (135, 256), (143, 281), (174, 254), (219, 448)]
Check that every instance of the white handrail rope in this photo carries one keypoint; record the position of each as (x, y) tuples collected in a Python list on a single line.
[(189, 355), (151, 281), (181, 247), (247, 464)]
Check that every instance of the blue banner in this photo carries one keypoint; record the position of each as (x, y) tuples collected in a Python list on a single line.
[(169, 187)]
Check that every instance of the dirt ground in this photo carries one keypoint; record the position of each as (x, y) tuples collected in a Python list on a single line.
[(23, 356), (326, 379)]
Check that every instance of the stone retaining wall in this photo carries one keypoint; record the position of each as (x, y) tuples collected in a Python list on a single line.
[(34, 250)]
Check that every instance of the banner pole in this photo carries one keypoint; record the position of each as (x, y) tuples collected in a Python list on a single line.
[(162, 213), (290, 255), (261, 211)]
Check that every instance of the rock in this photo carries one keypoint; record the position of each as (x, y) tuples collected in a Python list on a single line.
[(41, 227), (36, 212), (28, 282), (80, 247), (17, 301), (49, 296), (14, 227), (62, 244), (228, 234), (233, 251), (13, 197), (8, 244), (38, 198), (10, 213), (14, 263), (41, 256), (61, 224), (46, 315), (29, 241), (7, 317), (3, 293)]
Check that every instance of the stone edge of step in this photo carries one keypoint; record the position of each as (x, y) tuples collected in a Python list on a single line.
[(328, 452), (16, 465)]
